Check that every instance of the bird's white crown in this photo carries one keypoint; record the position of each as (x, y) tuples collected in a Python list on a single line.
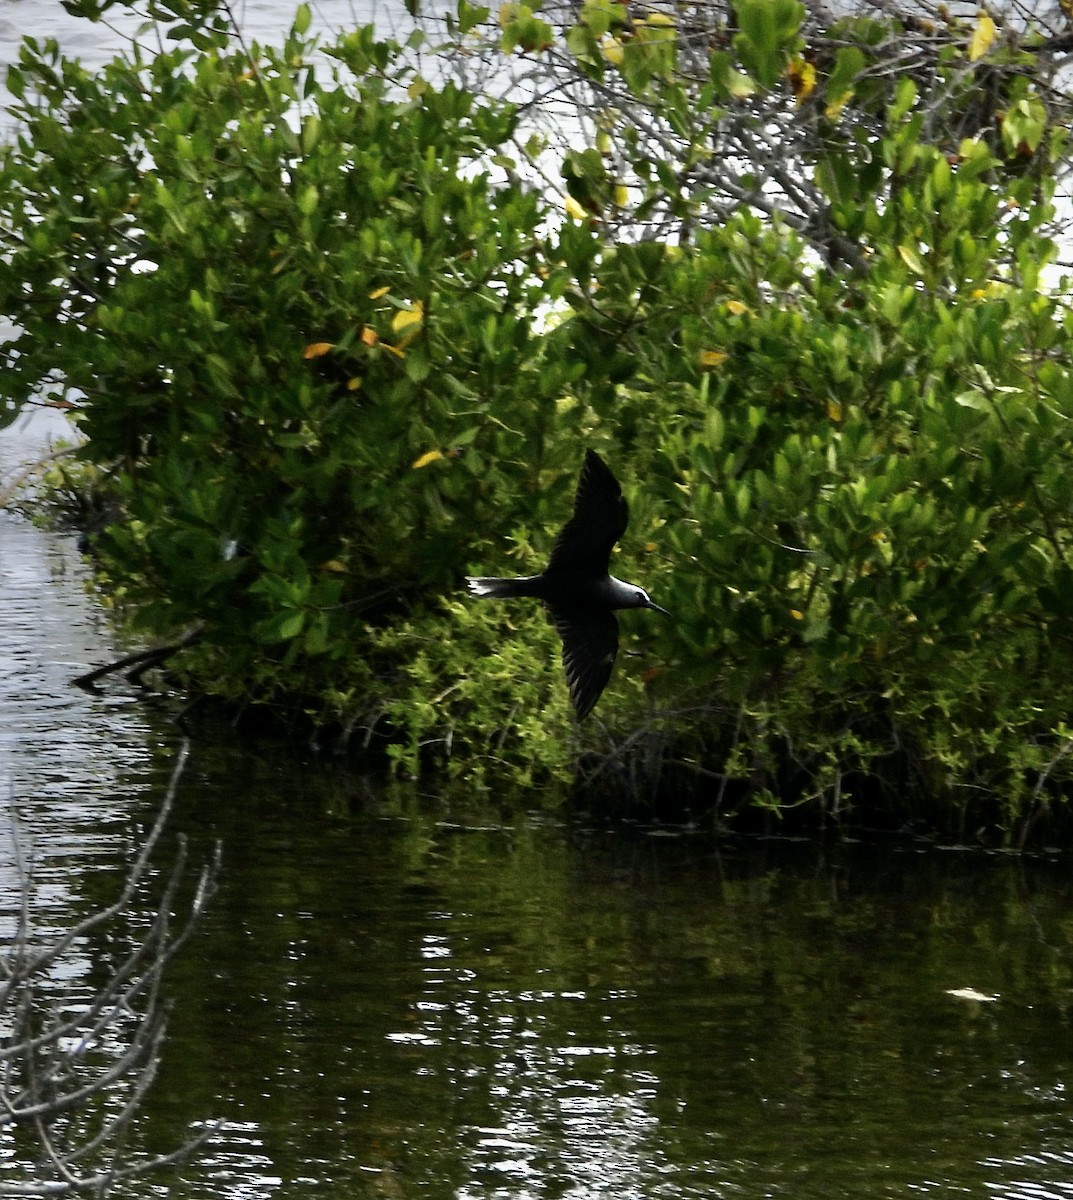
[(628, 595)]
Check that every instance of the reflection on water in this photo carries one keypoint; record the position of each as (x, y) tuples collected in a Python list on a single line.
[(399, 996), (71, 762), (435, 1007)]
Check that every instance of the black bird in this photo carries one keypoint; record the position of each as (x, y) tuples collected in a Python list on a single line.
[(578, 592)]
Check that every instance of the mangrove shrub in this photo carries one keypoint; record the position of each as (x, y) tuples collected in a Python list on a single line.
[(334, 351)]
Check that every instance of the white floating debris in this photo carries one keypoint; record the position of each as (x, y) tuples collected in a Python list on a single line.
[(971, 994)]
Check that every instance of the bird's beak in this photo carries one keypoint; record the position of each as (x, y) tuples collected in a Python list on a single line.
[(658, 609)]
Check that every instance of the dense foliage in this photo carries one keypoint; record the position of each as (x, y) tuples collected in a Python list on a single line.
[(772, 105), (333, 353)]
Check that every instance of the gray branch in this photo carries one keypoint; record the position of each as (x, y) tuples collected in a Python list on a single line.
[(78, 1082)]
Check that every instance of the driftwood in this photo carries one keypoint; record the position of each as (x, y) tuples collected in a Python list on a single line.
[(141, 661)]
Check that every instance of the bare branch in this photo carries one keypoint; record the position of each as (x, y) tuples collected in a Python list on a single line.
[(78, 1080)]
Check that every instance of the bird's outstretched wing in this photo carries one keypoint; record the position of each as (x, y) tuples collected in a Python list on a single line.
[(600, 517), (590, 643)]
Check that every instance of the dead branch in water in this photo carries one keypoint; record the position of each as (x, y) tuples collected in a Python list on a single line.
[(140, 660), (74, 1074)]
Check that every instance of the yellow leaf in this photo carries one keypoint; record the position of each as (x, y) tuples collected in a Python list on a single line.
[(430, 456), (797, 614), (736, 308), (418, 88), (378, 293), (834, 410), (835, 106), (656, 18), (317, 349), (802, 79), (352, 385), (369, 336), (739, 85), (333, 564), (574, 210), (393, 350), (406, 317), (612, 51), (712, 358), (982, 37), (622, 195), (911, 259)]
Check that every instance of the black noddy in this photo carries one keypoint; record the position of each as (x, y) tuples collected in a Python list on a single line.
[(576, 587)]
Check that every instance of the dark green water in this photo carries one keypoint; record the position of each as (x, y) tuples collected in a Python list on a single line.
[(395, 999)]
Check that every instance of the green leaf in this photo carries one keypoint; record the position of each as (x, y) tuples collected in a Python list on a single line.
[(283, 627), (308, 199), (905, 96), (849, 63), (16, 82), (912, 260), (302, 18), (728, 81), (471, 16), (768, 37)]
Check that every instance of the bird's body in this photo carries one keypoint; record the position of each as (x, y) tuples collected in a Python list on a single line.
[(579, 593)]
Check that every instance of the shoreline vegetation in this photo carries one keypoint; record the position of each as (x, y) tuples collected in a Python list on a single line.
[(337, 326)]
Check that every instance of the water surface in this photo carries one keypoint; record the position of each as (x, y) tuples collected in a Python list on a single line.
[(433, 1003)]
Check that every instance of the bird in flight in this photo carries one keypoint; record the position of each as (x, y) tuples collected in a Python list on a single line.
[(576, 587)]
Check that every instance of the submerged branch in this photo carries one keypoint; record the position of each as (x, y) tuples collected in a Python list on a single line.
[(141, 661)]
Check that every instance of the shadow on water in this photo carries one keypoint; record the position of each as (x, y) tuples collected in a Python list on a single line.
[(396, 995)]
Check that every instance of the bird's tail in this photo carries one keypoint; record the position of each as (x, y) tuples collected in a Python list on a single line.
[(490, 586)]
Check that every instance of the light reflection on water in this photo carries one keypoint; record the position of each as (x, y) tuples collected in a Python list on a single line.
[(1057, 1165)]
